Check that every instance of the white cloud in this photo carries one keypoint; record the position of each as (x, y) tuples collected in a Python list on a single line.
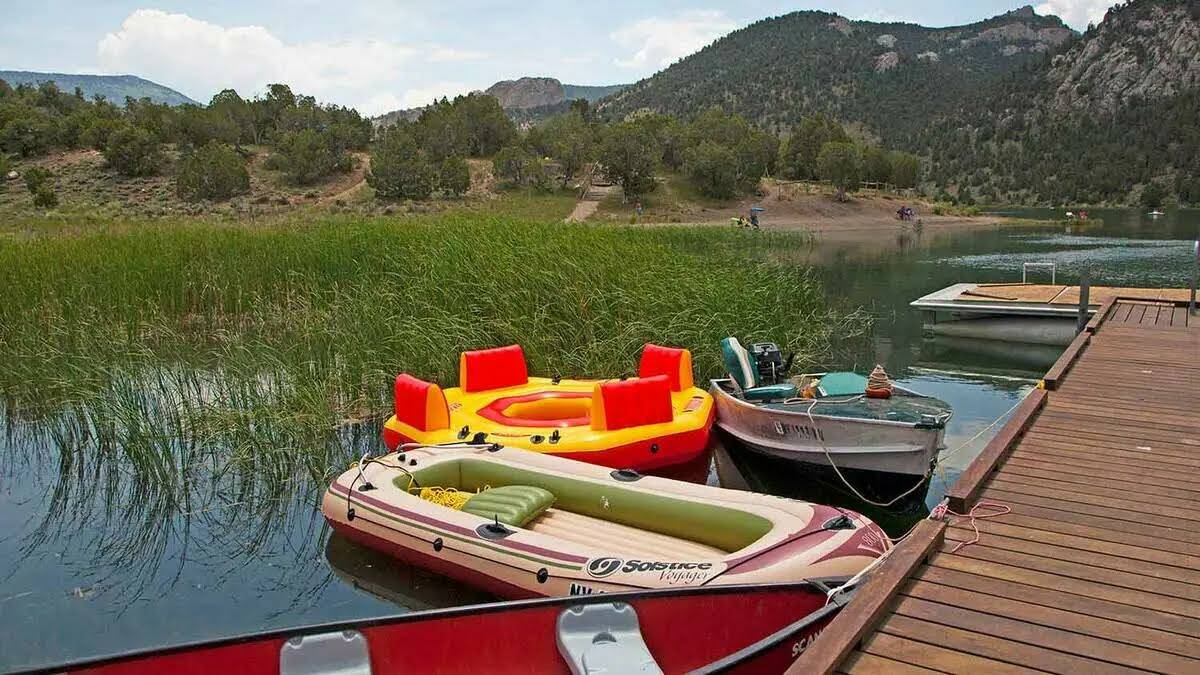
[(1076, 13), (658, 42), (202, 58)]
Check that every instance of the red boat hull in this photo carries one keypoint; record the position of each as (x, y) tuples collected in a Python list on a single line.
[(750, 629)]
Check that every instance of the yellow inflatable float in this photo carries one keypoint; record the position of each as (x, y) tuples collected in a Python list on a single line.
[(656, 420)]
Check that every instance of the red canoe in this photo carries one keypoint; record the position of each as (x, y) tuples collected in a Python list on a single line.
[(739, 629)]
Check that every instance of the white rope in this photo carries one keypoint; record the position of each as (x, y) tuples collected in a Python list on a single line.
[(936, 514), (829, 458)]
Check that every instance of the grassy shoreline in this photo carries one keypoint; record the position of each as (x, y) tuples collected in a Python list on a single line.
[(350, 301)]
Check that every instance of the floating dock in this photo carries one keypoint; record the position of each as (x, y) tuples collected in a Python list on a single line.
[(1021, 312), (1096, 567)]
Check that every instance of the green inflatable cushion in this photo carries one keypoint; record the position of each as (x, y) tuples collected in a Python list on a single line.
[(510, 504)]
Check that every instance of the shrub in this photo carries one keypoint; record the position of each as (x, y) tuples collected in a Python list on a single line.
[(516, 166), (45, 197), (1153, 195), (213, 172), (840, 164), (399, 169), (4, 165), (630, 155), (35, 178), (132, 152), (307, 155), (713, 168), (96, 135), (455, 176)]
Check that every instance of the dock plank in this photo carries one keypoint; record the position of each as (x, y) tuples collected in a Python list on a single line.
[(1096, 567)]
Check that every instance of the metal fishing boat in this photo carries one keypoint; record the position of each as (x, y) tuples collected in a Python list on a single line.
[(825, 419)]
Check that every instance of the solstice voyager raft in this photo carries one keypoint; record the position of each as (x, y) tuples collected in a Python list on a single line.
[(523, 524), (656, 420)]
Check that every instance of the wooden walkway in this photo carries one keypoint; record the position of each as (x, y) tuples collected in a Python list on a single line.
[(1096, 568)]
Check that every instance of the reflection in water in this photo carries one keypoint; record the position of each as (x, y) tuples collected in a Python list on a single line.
[(179, 504), (397, 582)]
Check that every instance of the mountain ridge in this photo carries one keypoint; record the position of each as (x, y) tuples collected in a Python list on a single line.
[(524, 98), (114, 88)]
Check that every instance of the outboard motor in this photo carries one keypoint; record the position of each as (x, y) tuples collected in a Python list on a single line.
[(770, 362)]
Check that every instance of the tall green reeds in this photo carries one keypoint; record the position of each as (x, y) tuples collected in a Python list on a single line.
[(182, 369)]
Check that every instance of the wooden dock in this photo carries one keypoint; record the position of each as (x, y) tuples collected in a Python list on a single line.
[(1096, 568)]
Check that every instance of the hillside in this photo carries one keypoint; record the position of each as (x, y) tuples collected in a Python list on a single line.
[(525, 99), (887, 77), (1111, 115), (114, 88)]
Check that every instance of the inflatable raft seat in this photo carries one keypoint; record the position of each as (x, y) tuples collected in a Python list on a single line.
[(421, 404), (487, 369), (741, 369), (631, 403), (676, 364), (725, 528), (513, 505)]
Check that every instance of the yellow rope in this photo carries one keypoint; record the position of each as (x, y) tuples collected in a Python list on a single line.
[(448, 497)]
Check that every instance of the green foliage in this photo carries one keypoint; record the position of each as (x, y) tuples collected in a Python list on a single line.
[(798, 158), (96, 135), (469, 126), (133, 151), (516, 166), (840, 164), (5, 165), (713, 168), (630, 156), (400, 169), (35, 177), (1153, 195), (906, 169), (570, 140), (308, 155), (315, 308), (215, 172), (454, 177), (45, 197), (876, 165)]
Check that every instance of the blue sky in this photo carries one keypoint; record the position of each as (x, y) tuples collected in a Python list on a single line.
[(378, 55)]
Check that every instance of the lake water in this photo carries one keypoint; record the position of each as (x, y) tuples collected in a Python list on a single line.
[(82, 574)]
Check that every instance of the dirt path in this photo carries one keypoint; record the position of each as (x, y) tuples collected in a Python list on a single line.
[(351, 183), (590, 202)]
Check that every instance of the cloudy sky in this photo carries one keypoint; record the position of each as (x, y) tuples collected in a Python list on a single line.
[(379, 55)]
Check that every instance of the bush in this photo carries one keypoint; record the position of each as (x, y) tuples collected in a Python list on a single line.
[(35, 178), (516, 166), (630, 155), (399, 169), (5, 167), (307, 155), (455, 176), (213, 172), (713, 168), (841, 164), (1153, 195), (132, 152), (45, 197), (96, 135)]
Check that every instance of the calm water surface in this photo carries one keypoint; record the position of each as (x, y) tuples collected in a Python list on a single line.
[(93, 561)]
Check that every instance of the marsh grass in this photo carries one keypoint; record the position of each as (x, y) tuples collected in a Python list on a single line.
[(174, 370)]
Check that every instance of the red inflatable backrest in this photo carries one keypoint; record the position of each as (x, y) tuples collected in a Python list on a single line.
[(421, 404), (631, 403), (676, 364), (487, 369)]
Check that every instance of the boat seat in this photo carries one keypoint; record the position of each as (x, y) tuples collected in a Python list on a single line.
[(745, 375), (770, 392), (513, 505)]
